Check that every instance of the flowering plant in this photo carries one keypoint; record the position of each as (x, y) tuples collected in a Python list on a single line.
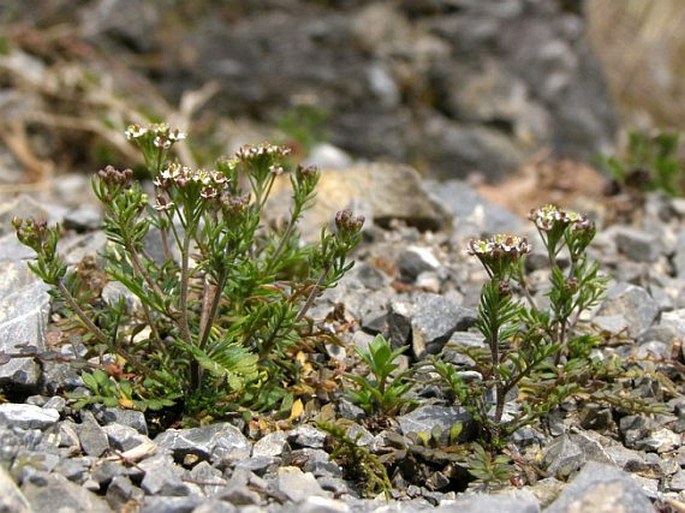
[(540, 352), (222, 301)]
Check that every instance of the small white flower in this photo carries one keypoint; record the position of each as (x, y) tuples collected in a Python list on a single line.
[(175, 135), (162, 141), (135, 131), (209, 192), (162, 204)]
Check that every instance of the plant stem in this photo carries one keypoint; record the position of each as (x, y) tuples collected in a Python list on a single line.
[(284, 239), (524, 287), (164, 234), (138, 267), (209, 314), (183, 304), (562, 342), (312, 295), (267, 190), (99, 334)]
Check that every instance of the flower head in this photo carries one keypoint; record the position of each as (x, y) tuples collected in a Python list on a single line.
[(35, 233), (233, 205), (499, 253), (550, 217), (115, 177), (557, 226), (348, 224), (500, 244), (580, 235), (263, 151), (209, 183), (157, 135)]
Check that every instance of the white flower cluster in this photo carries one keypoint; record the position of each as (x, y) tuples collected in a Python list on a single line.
[(163, 136), (212, 183), (499, 245), (550, 217), (251, 152)]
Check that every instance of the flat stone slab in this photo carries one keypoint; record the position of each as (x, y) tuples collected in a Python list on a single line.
[(24, 310), (27, 416)]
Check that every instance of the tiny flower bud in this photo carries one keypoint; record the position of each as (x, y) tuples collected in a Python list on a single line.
[(307, 171), (348, 224), (114, 177), (504, 288), (160, 129)]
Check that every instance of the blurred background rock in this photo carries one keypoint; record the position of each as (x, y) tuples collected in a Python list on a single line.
[(451, 87), (641, 45)]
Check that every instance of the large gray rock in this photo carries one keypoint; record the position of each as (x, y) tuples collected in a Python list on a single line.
[(382, 192), (434, 321), (162, 477), (426, 418), (298, 485), (11, 498), (123, 438), (56, 493), (516, 502), (216, 442), (563, 457), (472, 213), (162, 504), (27, 416), (272, 444), (120, 491), (601, 489), (638, 245), (24, 309), (634, 304), (93, 439)]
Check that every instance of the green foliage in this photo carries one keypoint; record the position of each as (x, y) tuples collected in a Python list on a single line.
[(651, 163), (542, 354), (305, 125), (110, 392), (488, 469), (383, 394), (357, 462), (222, 303)]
